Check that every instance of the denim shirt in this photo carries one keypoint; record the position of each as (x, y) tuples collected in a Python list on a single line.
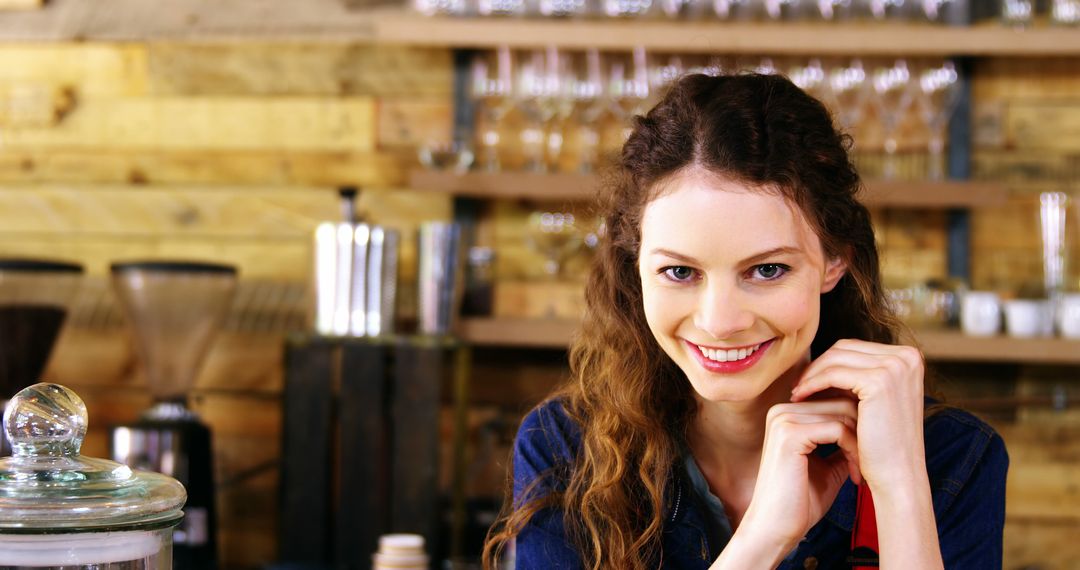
[(966, 463)]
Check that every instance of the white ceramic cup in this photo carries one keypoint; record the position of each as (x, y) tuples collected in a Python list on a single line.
[(980, 313), (1027, 318), (1068, 315)]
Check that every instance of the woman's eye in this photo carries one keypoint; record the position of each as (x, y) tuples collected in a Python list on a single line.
[(770, 271), (679, 273)]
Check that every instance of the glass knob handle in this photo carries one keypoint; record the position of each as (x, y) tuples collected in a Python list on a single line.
[(45, 420)]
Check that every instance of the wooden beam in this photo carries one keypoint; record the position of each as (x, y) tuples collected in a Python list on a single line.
[(879, 193), (210, 123), (268, 167), (21, 4), (864, 38)]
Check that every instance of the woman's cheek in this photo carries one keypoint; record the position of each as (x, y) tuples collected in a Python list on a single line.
[(796, 312)]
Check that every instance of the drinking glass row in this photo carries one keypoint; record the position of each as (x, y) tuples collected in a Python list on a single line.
[(557, 110), (935, 11)]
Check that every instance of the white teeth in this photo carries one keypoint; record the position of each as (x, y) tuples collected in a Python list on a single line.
[(720, 355)]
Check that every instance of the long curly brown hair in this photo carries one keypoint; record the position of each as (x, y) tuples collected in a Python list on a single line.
[(632, 402)]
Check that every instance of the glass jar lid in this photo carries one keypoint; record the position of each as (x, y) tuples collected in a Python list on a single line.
[(46, 486)]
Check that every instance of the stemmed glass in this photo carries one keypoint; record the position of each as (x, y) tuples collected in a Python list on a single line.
[(628, 85), (683, 9), (589, 106), (736, 9), (563, 8), (934, 10), (888, 10), (847, 91), (536, 91), (626, 8), (938, 94), (491, 89), (810, 76), (892, 97), (555, 236), (834, 10), (782, 10), (664, 69), (501, 7), (563, 81)]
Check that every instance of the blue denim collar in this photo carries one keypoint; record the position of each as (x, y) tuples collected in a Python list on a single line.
[(842, 511)]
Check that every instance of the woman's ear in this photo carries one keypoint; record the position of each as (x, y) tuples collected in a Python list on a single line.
[(834, 271)]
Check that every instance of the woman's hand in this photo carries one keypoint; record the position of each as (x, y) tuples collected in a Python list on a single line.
[(794, 487), (887, 382)]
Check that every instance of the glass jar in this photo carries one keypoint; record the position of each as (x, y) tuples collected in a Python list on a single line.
[(62, 510)]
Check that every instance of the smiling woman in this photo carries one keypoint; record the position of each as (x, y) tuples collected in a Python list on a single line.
[(738, 393)]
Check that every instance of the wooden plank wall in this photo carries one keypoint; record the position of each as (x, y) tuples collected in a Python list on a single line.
[(228, 153), (232, 152)]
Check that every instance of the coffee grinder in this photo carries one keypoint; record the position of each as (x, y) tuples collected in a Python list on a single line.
[(34, 300), (175, 309)]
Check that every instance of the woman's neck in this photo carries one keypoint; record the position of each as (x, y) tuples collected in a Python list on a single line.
[(726, 438)]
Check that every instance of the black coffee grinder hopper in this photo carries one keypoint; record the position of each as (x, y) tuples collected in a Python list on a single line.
[(175, 310), (34, 300)]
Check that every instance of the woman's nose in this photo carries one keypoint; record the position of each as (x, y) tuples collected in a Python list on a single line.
[(723, 311)]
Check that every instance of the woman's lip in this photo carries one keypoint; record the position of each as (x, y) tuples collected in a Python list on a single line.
[(748, 346), (729, 367)]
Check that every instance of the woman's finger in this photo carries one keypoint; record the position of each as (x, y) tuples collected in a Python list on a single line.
[(867, 356), (828, 407), (863, 383)]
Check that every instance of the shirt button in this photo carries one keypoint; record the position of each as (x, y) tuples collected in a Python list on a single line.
[(810, 563)]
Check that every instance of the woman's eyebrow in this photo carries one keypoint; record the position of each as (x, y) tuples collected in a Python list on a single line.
[(782, 250)]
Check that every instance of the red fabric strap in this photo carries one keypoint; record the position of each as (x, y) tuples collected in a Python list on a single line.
[(864, 537)]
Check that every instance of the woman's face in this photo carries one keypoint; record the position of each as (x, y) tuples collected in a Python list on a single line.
[(731, 279)]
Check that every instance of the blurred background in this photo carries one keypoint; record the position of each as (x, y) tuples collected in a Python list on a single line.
[(286, 140)]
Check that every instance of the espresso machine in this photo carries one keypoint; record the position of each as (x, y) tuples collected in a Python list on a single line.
[(34, 300), (175, 309)]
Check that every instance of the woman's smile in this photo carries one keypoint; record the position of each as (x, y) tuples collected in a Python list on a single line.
[(729, 360)]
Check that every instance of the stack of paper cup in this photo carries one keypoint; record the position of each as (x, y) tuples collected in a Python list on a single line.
[(400, 552)]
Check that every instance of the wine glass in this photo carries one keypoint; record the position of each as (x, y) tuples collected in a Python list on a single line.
[(934, 10), (563, 8), (938, 95), (1065, 12), (892, 88), (888, 10), (663, 70), (847, 92), (782, 10), (535, 91), (834, 10), (491, 89), (683, 9), (555, 236), (501, 7), (626, 8), (740, 10), (628, 85), (563, 86), (589, 106), (809, 75)]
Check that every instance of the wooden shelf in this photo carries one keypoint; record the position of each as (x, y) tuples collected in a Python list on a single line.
[(582, 187), (537, 333), (863, 38), (936, 345), (955, 346)]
